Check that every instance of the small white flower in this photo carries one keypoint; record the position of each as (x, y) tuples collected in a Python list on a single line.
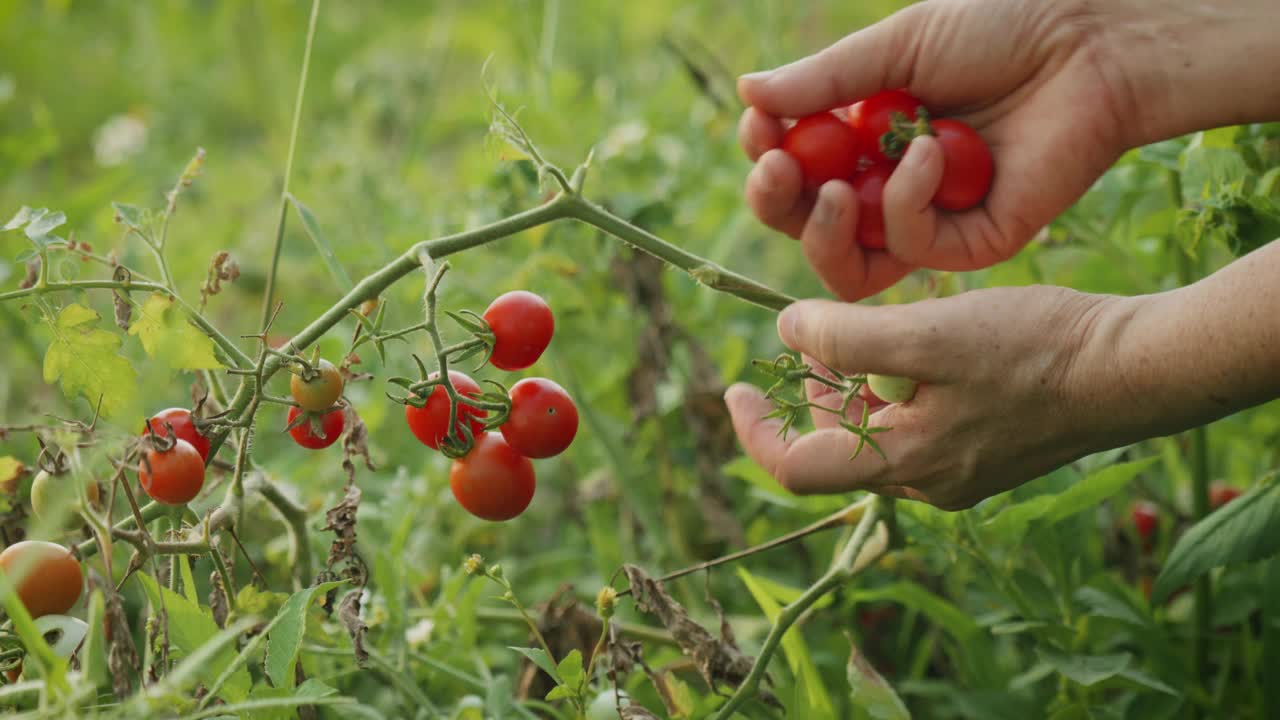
[(420, 633), (118, 139)]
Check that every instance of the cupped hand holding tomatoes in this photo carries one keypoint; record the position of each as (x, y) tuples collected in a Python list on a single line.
[(319, 391), (493, 481), (543, 419), (184, 427), (308, 435), (522, 325), (45, 575), (430, 423), (171, 475)]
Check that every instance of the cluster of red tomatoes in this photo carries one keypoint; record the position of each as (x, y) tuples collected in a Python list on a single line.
[(866, 146), (495, 479)]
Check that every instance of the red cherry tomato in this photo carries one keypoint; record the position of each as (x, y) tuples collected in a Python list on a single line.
[(967, 168), (869, 187), (825, 147), (321, 391), (173, 476), (46, 576), (872, 117), (184, 428), (331, 424), (1221, 493), (430, 423), (522, 326), (1146, 518), (493, 481), (543, 419)]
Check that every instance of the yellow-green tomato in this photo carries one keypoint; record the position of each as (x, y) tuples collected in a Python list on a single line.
[(892, 389), (55, 498), (321, 391)]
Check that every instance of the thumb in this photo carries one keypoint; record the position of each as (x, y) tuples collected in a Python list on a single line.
[(849, 338), (856, 67)]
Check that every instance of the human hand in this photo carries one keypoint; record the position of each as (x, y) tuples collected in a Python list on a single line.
[(1013, 383), (1058, 90)]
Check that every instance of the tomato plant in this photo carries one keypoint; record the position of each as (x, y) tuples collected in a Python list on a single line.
[(543, 419), (493, 481), (184, 427), (45, 575), (54, 496), (317, 388), (308, 435), (522, 326), (825, 147), (172, 475), (430, 423)]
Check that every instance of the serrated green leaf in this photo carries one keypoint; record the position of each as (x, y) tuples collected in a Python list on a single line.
[(1102, 604), (285, 639), (312, 225), (40, 227), (190, 628), (168, 336), (1086, 670), (84, 361), (1244, 530)]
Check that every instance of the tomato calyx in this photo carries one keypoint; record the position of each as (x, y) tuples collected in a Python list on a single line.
[(902, 130), (490, 408), (482, 339)]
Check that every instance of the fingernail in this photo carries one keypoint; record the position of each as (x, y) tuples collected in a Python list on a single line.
[(758, 76), (787, 324), (732, 395), (826, 209)]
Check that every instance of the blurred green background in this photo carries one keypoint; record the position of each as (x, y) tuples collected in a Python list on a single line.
[(107, 101)]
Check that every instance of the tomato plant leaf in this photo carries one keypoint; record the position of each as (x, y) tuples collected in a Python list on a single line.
[(873, 698), (1086, 670), (1243, 530), (541, 659), (167, 336), (284, 642), (190, 627), (22, 217), (84, 361), (794, 648), (1012, 522)]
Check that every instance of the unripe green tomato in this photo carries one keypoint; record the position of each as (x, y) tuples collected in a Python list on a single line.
[(604, 707), (55, 497), (892, 389)]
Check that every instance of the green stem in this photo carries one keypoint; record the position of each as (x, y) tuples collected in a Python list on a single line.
[(288, 164), (841, 571), (295, 518)]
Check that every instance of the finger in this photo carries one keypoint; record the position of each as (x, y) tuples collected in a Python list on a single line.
[(775, 193), (758, 133), (856, 67), (824, 461), (910, 220), (887, 339), (829, 240), (760, 437)]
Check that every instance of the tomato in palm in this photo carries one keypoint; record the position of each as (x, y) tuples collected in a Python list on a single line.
[(493, 481), (46, 576), (522, 326), (967, 166), (331, 424), (321, 391), (430, 423), (543, 419), (55, 497), (173, 476), (825, 147), (873, 117), (868, 185), (1146, 517), (1221, 493), (184, 428)]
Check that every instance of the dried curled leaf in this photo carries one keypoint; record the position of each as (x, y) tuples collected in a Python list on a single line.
[(719, 661), (222, 268), (122, 655), (341, 520), (349, 615)]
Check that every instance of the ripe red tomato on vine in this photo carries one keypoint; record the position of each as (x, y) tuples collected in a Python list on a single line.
[(825, 147), (331, 424), (493, 481), (184, 427), (1146, 519), (173, 476), (1221, 493), (543, 419), (45, 575), (522, 325), (321, 391), (430, 423)]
